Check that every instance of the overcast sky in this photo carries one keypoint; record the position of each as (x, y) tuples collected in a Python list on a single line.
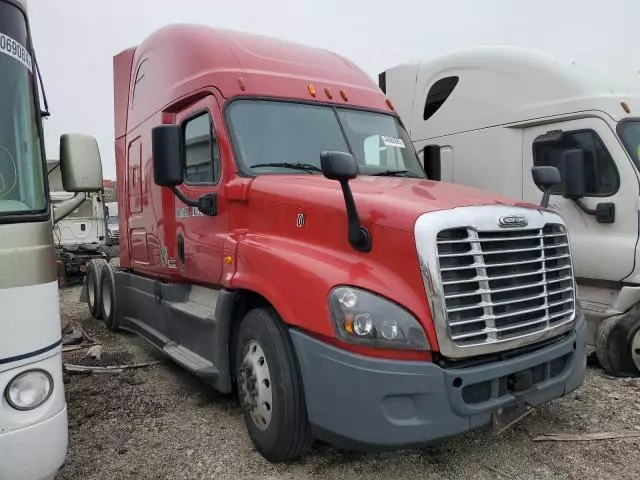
[(75, 40)]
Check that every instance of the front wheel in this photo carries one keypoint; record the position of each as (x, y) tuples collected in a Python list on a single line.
[(270, 388), (617, 344)]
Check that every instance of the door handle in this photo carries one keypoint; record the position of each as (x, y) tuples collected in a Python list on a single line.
[(181, 248)]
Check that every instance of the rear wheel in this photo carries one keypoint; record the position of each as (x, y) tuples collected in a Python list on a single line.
[(270, 388), (617, 344), (112, 251), (94, 270), (109, 304)]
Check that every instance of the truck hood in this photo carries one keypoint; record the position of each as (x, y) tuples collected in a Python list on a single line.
[(392, 202)]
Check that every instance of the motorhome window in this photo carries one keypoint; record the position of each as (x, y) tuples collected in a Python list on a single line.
[(202, 155), (267, 132), (602, 179), (22, 179), (438, 94), (629, 132)]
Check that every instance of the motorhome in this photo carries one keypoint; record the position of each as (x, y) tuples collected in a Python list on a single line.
[(495, 112), (279, 239), (33, 412)]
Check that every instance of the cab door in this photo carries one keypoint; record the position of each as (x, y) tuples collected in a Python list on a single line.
[(200, 238), (601, 251)]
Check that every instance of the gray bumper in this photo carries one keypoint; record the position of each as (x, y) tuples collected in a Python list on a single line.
[(361, 402)]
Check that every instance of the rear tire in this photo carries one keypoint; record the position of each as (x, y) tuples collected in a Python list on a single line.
[(93, 275), (112, 251), (108, 304), (617, 344), (266, 369)]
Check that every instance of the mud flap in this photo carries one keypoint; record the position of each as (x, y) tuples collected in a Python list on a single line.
[(84, 296)]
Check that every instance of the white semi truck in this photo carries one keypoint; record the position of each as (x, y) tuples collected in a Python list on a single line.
[(33, 413), (485, 116)]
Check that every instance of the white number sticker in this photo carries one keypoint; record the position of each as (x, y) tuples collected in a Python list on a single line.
[(393, 142), (14, 49)]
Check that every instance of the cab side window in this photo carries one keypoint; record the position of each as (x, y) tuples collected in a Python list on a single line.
[(202, 155), (601, 174)]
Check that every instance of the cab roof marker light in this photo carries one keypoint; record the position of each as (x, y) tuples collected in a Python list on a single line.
[(389, 104), (343, 94), (328, 93), (241, 84), (312, 90)]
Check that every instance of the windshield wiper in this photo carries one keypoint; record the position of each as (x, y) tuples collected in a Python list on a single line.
[(390, 173), (307, 167)]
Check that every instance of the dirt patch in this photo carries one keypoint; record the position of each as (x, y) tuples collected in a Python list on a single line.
[(160, 422)]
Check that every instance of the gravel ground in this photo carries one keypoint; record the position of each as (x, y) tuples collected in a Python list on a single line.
[(160, 422)]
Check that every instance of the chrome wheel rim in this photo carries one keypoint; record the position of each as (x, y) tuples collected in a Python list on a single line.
[(255, 385), (635, 350), (106, 300)]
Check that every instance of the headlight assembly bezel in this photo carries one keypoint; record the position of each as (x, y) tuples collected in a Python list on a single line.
[(20, 376), (365, 318)]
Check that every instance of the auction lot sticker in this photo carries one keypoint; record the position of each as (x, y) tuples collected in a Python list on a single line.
[(14, 49)]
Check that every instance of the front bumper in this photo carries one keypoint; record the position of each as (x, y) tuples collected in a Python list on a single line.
[(35, 452), (368, 403)]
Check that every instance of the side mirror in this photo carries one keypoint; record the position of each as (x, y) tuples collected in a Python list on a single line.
[(432, 163), (80, 163), (168, 155), (573, 173), (342, 166), (338, 166), (546, 178)]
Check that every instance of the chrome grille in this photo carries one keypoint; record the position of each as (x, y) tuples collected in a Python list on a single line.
[(500, 285)]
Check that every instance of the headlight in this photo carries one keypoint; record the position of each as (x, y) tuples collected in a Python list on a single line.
[(29, 389), (361, 317)]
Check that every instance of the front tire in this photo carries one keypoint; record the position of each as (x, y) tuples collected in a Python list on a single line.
[(270, 388), (94, 292), (617, 344)]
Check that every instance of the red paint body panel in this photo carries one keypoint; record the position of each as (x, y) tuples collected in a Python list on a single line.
[(189, 69)]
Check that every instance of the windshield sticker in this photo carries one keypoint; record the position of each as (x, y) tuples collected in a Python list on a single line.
[(393, 142), (14, 49)]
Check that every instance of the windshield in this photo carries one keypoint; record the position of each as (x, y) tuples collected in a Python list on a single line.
[(22, 187), (292, 135), (629, 132)]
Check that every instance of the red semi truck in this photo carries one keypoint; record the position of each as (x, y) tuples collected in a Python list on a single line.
[(280, 237)]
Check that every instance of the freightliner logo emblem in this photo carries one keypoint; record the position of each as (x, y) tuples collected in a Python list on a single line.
[(512, 221)]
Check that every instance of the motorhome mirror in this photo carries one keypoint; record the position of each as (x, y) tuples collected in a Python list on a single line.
[(168, 155), (432, 163), (80, 164), (573, 173)]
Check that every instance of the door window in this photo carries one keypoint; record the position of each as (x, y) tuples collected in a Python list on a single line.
[(601, 174), (202, 155)]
